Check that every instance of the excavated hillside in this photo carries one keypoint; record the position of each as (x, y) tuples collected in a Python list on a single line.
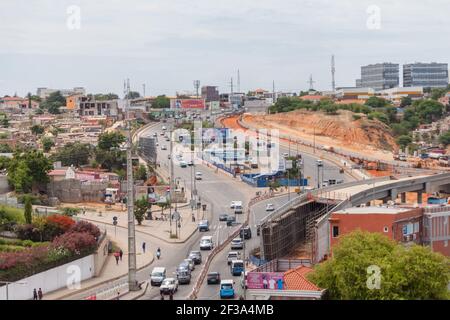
[(339, 129)]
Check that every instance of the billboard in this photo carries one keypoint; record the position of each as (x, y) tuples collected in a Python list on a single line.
[(187, 104), (265, 280)]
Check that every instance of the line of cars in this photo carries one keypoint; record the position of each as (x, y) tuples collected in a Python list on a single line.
[(183, 274)]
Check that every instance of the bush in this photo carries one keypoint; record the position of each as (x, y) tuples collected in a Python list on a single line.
[(356, 117), (63, 222), (75, 242), (84, 226), (67, 211), (28, 232)]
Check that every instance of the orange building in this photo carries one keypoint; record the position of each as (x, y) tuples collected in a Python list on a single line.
[(72, 101)]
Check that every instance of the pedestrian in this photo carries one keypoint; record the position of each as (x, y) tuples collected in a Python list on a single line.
[(117, 256), (193, 218), (143, 247), (118, 295), (35, 295), (265, 283), (120, 254), (40, 294)]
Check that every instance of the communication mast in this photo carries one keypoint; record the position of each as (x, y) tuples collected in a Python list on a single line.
[(333, 71), (196, 86), (311, 83)]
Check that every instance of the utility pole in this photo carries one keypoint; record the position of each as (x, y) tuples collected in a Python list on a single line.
[(274, 98), (132, 283), (171, 179), (143, 90), (196, 86)]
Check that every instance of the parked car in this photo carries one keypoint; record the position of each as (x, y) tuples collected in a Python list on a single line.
[(203, 225), (213, 278), (231, 220), (270, 207), (196, 256), (237, 243), (169, 285), (246, 233), (232, 255), (223, 217)]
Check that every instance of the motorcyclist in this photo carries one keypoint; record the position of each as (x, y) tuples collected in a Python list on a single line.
[(158, 253)]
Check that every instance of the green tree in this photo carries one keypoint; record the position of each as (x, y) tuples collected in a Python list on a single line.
[(5, 148), (404, 141), (47, 143), (133, 95), (406, 101), (37, 129), (140, 209), (376, 102), (53, 102), (379, 115), (28, 210), (27, 169), (161, 102), (110, 140), (4, 163), (346, 274), (74, 153), (140, 173), (438, 93), (445, 138), (428, 110), (103, 97)]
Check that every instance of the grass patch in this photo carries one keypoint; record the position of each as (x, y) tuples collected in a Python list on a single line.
[(11, 214)]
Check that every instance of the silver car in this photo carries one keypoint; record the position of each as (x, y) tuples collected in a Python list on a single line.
[(169, 285), (191, 264)]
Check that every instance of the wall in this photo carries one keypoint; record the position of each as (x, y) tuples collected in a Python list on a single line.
[(100, 256), (49, 280)]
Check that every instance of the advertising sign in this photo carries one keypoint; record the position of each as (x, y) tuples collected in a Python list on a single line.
[(188, 104), (265, 280)]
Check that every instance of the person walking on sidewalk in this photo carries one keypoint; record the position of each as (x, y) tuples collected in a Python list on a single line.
[(35, 295), (143, 247), (120, 254), (40, 294), (117, 256)]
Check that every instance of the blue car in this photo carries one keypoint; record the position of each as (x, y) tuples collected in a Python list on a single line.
[(226, 289)]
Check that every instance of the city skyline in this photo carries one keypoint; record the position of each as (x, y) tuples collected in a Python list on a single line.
[(167, 45)]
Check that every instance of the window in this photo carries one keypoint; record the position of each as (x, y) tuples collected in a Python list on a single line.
[(335, 231), (386, 229)]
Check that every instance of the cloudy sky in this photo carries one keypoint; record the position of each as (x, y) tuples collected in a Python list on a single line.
[(166, 44)]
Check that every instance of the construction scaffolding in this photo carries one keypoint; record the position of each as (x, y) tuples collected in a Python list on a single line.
[(282, 235)]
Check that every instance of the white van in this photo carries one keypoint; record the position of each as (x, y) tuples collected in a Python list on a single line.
[(206, 243), (158, 275), (238, 208), (198, 175)]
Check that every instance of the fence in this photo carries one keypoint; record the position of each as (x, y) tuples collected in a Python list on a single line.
[(112, 292)]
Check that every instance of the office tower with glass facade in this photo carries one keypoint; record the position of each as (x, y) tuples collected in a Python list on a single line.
[(380, 76), (427, 75)]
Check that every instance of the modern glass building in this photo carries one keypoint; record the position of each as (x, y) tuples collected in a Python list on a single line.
[(380, 76), (427, 75)]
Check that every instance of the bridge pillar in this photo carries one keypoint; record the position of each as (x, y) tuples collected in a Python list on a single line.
[(403, 197), (394, 194), (419, 197)]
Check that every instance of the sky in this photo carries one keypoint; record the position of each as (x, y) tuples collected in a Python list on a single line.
[(166, 44)]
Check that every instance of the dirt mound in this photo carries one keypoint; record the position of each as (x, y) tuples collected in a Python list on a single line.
[(340, 128)]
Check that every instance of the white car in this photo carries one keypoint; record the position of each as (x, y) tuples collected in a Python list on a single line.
[(270, 207), (233, 255), (198, 176), (169, 285), (237, 243), (163, 147), (235, 204), (285, 155)]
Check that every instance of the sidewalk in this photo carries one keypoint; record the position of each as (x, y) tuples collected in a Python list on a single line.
[(155, 228), (110, 272)]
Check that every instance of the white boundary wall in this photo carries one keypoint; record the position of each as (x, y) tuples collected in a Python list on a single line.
[(50, 280)]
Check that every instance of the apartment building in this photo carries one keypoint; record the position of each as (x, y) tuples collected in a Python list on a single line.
[(427, 75), (380, 76), (210, 93), (88, 106)]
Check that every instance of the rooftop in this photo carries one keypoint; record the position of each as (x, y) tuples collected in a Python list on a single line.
[(373, 210), (295, 279)]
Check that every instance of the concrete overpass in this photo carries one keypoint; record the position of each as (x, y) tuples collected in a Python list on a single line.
[(304, 218)]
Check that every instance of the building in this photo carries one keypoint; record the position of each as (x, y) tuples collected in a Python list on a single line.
[(380, 76), (73, 101), (187, 104), (17, 103), (44, 93), (210, 93), (395, 95), (313, 98), (90, 107), (427, 75), (404, 225), (358, 83), (437, 229), (361, 94)]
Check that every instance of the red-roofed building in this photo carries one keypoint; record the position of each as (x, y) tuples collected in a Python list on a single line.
[(295, 279)]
